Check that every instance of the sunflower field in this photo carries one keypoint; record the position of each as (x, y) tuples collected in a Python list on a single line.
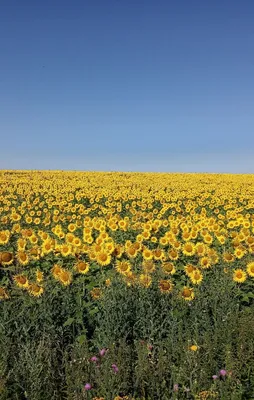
[(134, 286)]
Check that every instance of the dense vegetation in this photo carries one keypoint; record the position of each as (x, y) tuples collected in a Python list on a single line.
[(126, 286)]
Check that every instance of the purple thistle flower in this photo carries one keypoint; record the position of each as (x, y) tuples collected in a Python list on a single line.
[(223, 372), (215, 377), (88, 386), (115, 368), (102, 352), (94, 359), (176, 387)]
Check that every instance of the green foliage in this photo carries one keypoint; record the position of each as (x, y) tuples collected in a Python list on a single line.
[(46, 344)]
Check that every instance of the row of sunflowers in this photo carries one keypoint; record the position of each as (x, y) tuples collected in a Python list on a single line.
[(58, 226)]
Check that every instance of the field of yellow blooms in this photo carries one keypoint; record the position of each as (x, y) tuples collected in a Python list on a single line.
[(126, 223), (89, 231)]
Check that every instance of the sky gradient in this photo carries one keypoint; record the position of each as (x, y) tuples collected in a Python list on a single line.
[(133, 85)]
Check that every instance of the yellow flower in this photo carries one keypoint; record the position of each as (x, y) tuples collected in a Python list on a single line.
[(148, 266), (228, 257), (168, 268), (56, 270), (173, 254), (3, 294), (147, 254), (21, 281), (250, 269), (82, 267), (187, 293), (6, 258), (194, 347), (35, 290), (65, 277), (103, 258), (39, 276), (108, 282), (22, 258), (47, 247), (96, 293), (131, 251), (205, 262), (145, 280), (165, 286), (188, 249), (123, 267), (4, 237), (239, 275), (189, 269), (196, 277)]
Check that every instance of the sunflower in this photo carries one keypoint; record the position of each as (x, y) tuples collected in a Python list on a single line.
[(196, 277), (66, 250), (69, 237), (228, 257), (21, 281), (148, 266), (97, 247), (21, 243), (34, 253), (250, 269), (4, 237), (189, 269), (165, 286), (208, 239), (35, 290), (187, 293), (239, 275), (131, 251), (39, 276), (82, 267), (46, 247), (33, 239), (6, 258), (96, 293), (239, 252), (200, 249), (130, 278), (103, 258), (22, 258), (163, 241), (77, 242), (118, 251), (3, 294), (158, 254), (168, 268), (65, 277), (56, 270), (145, 280), (72, 227), (123, 267), (147, 254), (176, 245), (188, 249), (109, 247), (205, 262), (173, 254), (146, 235)]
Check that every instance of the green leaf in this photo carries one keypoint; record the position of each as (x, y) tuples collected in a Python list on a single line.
[(68, 322), (81, 339)]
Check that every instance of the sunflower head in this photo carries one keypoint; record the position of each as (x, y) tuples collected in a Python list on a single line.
[(165, 286)]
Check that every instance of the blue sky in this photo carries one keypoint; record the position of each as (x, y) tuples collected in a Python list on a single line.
[(135, 85)]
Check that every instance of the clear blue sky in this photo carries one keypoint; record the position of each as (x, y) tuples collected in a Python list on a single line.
[(154, 85)]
